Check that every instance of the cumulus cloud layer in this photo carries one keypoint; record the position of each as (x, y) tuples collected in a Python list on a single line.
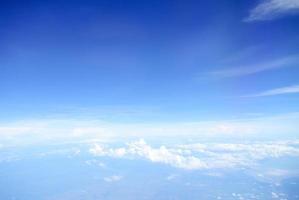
[(270, 9), (160, 155), (201, 156)]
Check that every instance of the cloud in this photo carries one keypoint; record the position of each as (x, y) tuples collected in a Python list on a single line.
[(73, 131), (270, 9), (277, 91), (95, 162), (278, 173), (253, 69), (274, 175), (113, 178), (202, 156), (171, 177), (274, 195), (39, 131), (159, 155)]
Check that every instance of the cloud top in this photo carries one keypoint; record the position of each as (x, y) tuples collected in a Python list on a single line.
[(200, 155)]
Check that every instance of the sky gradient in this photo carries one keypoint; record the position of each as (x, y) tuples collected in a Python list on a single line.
[(149, 99), (148, 67)]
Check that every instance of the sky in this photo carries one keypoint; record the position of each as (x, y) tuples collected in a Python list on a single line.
[(115, 69)]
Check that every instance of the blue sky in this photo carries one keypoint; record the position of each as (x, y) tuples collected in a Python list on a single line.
[(149, 99), (149, 65)]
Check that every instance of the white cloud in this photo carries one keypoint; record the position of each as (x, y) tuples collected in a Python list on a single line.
[(214, 174), (253, 69), (159, 155), (278, 173), (274, 195), (95, 163), (113, 178), (277, 91), (38, 131), (270, 9), (171, 177), (274, 175), (202, 156)]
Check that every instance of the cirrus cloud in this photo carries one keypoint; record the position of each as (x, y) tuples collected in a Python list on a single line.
[(278, 91), (270, 9), (239, 71)]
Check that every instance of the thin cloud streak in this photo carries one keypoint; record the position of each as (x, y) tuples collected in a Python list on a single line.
[(253, 69), (271, 9), (278, 91)]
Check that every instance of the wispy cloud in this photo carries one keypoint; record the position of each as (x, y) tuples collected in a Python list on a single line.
[(277, 91), (256, 68), (270, 9)]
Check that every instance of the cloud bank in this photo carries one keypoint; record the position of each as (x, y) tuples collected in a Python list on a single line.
[(68, 130), (202, 155)]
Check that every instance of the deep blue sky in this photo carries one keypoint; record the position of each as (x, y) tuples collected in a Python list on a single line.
[(158, 58)]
